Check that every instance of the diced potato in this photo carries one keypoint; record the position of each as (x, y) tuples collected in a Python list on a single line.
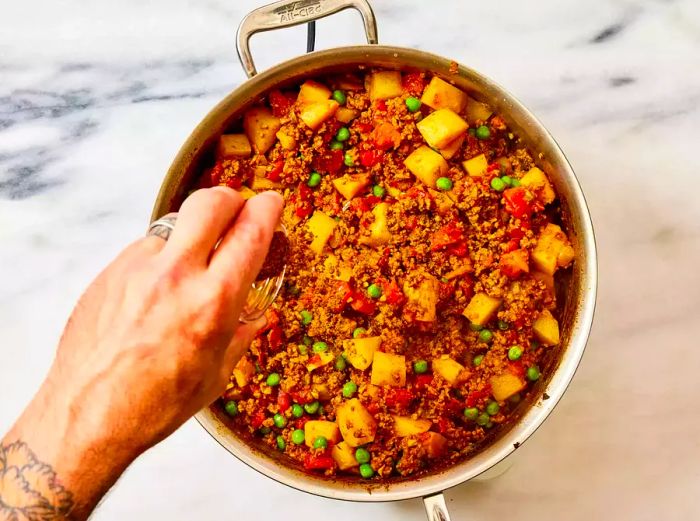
[(351, 185), (453, 147), (393, 191), (360, 351), (515, 262), (379, 233), (314, 114), (246, 192), (441, 127), (321, 391), (547, 279), (315, 428), (233, 146), (552, 250), (344, 456), (422, 299), (243, 371), (319, 360), (407, 426), (288, 142), (466, 267), (260, 171), (427, 165), (477, 111), (481, 308), (452, 371), (435, 444), (321, 227), (505, 385), (537, 181), (336, 269), (388, 369), (443, 202), (346, 115), (312, 91), (356, 424), (546, 329), (384, 85), (476, 166), (261, 128), (262, 183), (441, 95)]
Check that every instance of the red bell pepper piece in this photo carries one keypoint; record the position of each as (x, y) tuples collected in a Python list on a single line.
[(257, 419), (276, 171), (362, 304), (400, 398), (413, 83), (445, 236), (392, 293), (274, 338), (424, 380), (280, 103), (380, 105), (302, 397), (284, 401), (312, 462), (369, 158), (516, 203), (342, 293), (328, 161)]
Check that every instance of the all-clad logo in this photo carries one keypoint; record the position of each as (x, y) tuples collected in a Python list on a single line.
[(297, 10)]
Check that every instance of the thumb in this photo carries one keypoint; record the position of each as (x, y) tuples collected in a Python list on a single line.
[(240, 342)]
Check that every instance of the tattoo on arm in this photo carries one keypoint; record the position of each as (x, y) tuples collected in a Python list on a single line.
[(29, 489)]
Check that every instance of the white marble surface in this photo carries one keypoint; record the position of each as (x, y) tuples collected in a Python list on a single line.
[(96, 98)]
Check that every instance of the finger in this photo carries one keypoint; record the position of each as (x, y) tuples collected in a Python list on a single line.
[(203, 219), (239, 257), (240, 343)]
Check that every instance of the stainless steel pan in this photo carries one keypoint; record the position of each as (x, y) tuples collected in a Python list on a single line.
[(581, 293)]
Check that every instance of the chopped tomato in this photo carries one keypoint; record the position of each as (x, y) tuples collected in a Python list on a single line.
[(454, 406), (373, 408), (514, 263), (393, 293), (362, 304), (445, 236), (475, 396), (276, 171), (257, 419), (234, 182), (516, 202), (280, 102), (328, 161), (460, 249), (446, 290), (341, 294), (444, 425), (274, 338), (365, 204), (216, 173), (385, 136), (411, 223), (424, 380), (400, 398), (284, 401), (304, 207), (518, 368), (362, 128), (312, 462), (413, 83), (302, 397), (369, 158), (380, 105)]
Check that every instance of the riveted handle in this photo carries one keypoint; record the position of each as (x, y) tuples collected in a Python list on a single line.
[(288, 13)]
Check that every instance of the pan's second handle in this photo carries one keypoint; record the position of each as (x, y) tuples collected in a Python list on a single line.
[(436, 508), (287, 13)]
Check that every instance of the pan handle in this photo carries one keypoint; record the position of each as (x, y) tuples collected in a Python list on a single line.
[(294, 12), (436, 508)]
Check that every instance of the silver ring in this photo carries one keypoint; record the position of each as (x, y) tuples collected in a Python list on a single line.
[(163, 227)]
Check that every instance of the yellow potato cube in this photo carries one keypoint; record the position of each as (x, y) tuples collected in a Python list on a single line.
[(538, 183), (476, 166), (477, 111), (360, 351), (388, 369), (321, 391), (344, 456), (481, 308), (443, 202), (346, 115), (356, 424), (321, 227), (506, 385), (546, 329), (318, 360), (452, 148), (315, 428), (262, 183), (407, 426), (287, 141), (552, 250), (314, 114), (245, 192), (384, 85), (466, 267), (434, 444), (546, 279), (422, 300), (379, 233), (312, 91), (261, 128), (453, 372), (427, 165), (233, 146), (351, 185), (441, 127), (243, 371), (441, 95)]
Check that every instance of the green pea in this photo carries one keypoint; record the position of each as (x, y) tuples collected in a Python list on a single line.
[(281, 444), (482, 419), (265, 430), (507, 180), (279, 420), (475, 327), (307, 340), (302, 349), (306, 317), (362, 455), (358, 332), (297, 410), (378, 191), (485, 335), (533, 373), (515, 182), (314, 180), (366, 470), (273, 379), (347, 159), (498, 184), (444, 183), (470, 413), (312, 408), (320, 442), (336, 145), (298, 436), (340, 97), (320, 347), (492, 408), (231, 408), (374, 291), (340, 363), (477, 360), (514, 353), (413, 104), (503, 325), (343, 134), (483, 132), (420, 366), (349, 389)]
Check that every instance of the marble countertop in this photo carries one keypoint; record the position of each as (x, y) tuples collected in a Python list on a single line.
[(96, 98)]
